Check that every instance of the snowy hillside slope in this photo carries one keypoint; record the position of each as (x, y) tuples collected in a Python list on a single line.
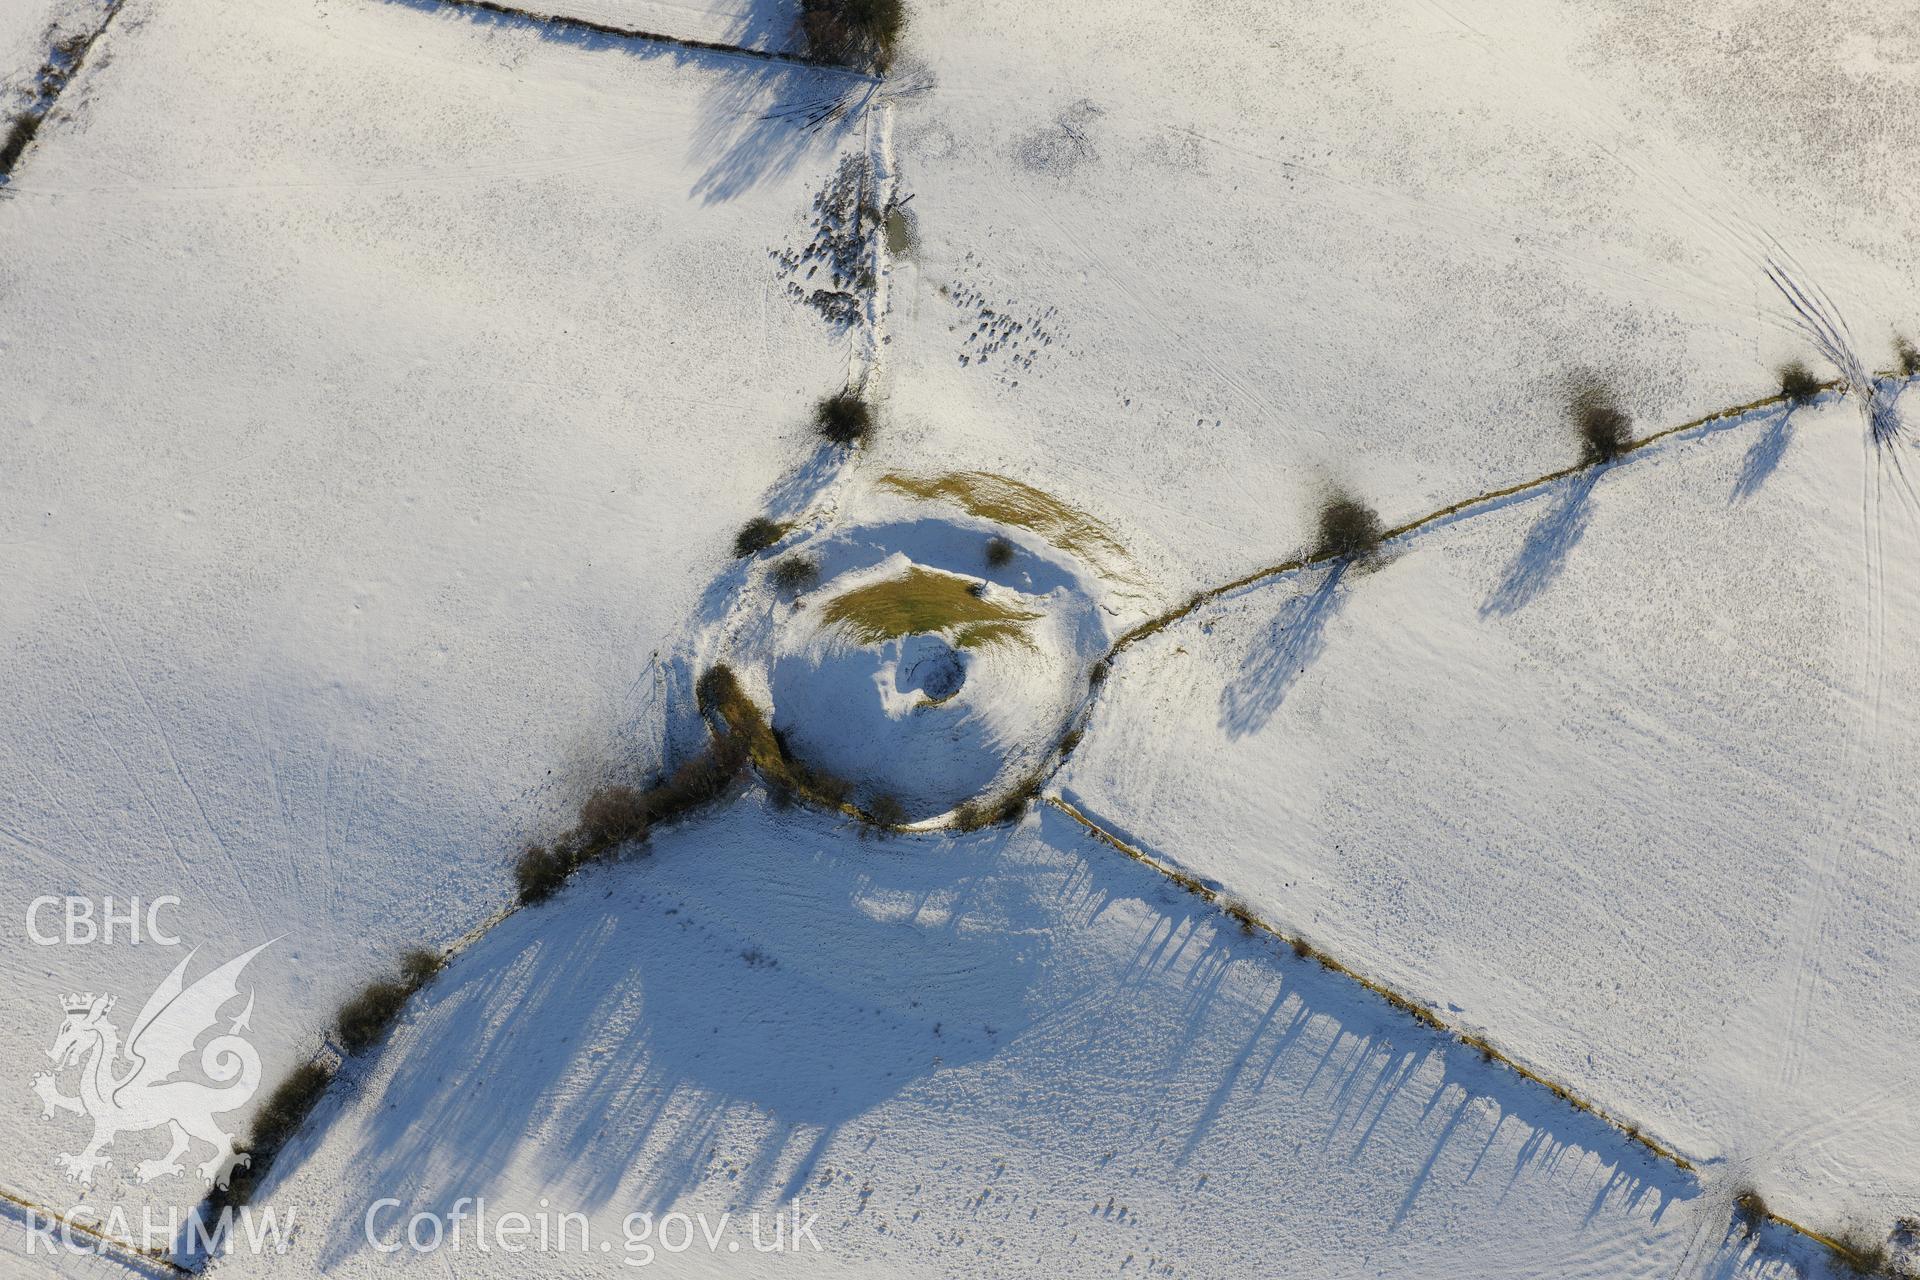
[(1620, 772), (1188, 263), (1012, 1054), (381, 392)]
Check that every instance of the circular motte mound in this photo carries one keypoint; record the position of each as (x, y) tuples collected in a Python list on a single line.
[(939, 659), (923, 685)]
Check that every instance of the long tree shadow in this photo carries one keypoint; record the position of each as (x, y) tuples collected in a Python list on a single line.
[(1763, 456), (724, 1013), (1544, 551), (1251, 1046), (1293, 641), (605, 1041), (760, 126), (760, 118), (767, 24)]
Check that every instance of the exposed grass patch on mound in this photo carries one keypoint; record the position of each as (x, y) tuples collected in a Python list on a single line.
[(981, 635), (997, 498), (923, 601), (1798, 383)]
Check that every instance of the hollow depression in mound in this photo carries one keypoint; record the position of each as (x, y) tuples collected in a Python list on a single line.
[(924, 685)]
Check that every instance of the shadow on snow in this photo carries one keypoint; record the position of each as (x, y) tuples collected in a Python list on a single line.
[(1543, 552), (1763, 457), (767, 980), (1294, 640), (761, 119)]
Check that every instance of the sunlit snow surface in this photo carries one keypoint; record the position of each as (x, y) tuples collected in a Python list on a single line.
[(381, 386)]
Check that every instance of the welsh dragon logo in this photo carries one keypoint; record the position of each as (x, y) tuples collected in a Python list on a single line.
[(133, 1087)]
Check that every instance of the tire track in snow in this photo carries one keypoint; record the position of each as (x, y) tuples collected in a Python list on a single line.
[(187, 876), (34, 849), (1809, 920), (1826, 327), (326, 830), (173, 758), (1462, 509), (53, 797), (1423, 215), (1842, 850), (1815, 1134)]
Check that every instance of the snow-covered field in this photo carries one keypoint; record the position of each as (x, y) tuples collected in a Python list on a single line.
[(1191, 267), (369, 429), (1012, 1053), (1634, 796), (382, 383)]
